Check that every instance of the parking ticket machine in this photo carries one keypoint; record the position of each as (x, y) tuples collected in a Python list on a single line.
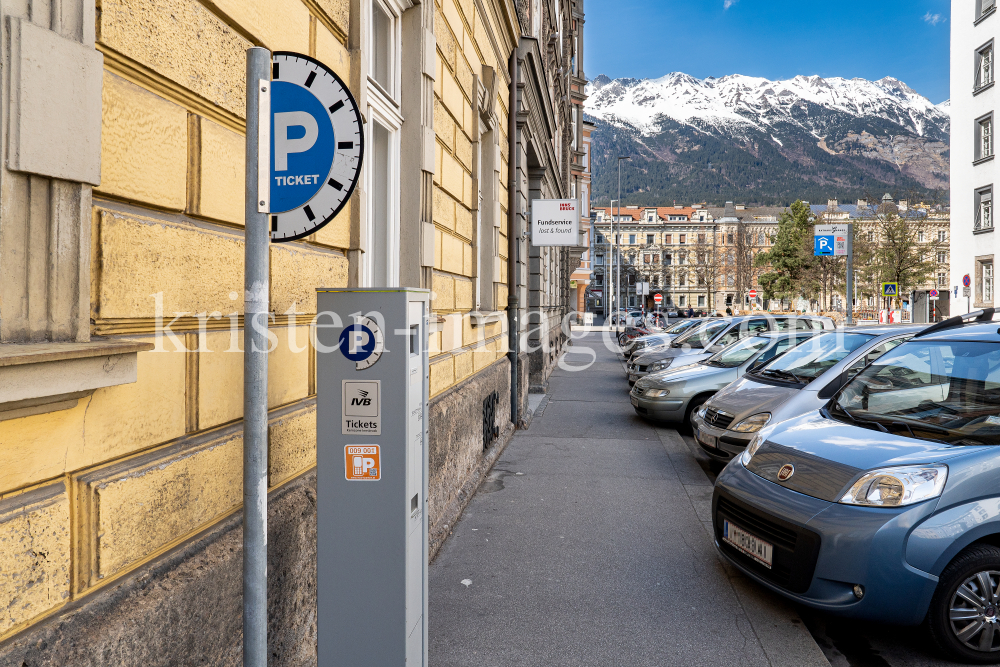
[(372, 392)]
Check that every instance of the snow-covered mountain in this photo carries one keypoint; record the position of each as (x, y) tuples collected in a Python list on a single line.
[(806, 134), (736, 100)]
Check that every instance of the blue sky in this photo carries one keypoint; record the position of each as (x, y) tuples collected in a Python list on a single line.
[(776, 39)]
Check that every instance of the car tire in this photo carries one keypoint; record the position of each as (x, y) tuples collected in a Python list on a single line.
[(693, 406), (963, 636), (622, 339)]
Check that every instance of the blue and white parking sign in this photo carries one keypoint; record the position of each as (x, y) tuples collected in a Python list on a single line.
[(823, 245), (317, 145)]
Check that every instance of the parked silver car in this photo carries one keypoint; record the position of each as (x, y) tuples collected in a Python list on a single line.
[(713, 336), (791, 385), (636, 345), (674, 394)]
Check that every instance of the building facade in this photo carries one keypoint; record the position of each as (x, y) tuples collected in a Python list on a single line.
[(974, 28), (705, 258), (121, 293)]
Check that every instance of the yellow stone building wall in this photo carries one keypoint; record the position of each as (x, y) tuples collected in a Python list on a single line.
[(90, 493), (467, 39)]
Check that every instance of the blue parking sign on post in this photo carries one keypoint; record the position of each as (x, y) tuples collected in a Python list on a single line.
[(317, 145), (823, 245)]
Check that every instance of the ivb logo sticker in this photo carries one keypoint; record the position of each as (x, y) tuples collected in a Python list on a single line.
[(362, 407)]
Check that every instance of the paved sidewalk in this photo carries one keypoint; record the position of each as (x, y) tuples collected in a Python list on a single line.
[(590, 544)]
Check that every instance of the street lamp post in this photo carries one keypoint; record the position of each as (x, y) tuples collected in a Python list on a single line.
[(618, 279), (612, 297)]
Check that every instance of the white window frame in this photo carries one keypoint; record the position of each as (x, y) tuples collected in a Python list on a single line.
[(988, 282), (985, 72), (384, 108)]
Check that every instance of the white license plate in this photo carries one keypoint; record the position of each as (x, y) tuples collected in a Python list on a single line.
[(751, 545), (709, 440), (635, 401)]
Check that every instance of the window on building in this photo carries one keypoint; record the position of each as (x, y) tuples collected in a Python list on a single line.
[(920, 236), (730, 239), (984, 137), (942, 257), (600, 238), (871, 237), (598, 260), (701, 301), (942, 279), (984, 7), (682, 238), (667, 280), (701, 258), (656, 280), (599, 279), (682, 280), (986, 289), (631, 239), (650, 239), (730, 280), (668, 259), (656, 258), (668, 239), (984, 209), (701, 238), (646, 258), (681, 302), (701, 280), (631, 280), (942, 236), (984, 66), (761, 239)]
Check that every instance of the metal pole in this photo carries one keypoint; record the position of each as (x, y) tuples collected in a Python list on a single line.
[(850, 273), (618, 279), (255, 347), (513, 242)]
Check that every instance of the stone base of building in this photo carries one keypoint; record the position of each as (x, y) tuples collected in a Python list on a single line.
[(185, 608), (461, 452)]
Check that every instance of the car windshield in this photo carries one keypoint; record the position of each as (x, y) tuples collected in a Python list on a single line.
[(699, 337), (931, 390), (681, 326), (738, 352), (814, 357)]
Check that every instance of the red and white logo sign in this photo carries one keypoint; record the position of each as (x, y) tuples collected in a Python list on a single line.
[(657, 298), (753, 294)]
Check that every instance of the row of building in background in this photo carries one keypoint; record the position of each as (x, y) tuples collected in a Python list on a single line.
[(122, 200), (704, 257)]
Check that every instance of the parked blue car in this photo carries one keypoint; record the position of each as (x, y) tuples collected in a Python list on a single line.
[(884, 504)]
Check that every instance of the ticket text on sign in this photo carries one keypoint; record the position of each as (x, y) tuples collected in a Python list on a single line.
[(361, 463)]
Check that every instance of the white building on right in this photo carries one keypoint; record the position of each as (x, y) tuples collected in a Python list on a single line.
[(974, 172)]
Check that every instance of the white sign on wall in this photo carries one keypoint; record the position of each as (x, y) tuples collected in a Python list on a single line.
[(555, 222)]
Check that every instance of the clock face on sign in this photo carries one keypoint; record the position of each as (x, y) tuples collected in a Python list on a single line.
[(317, 145)]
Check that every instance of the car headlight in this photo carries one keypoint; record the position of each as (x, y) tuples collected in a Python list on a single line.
[(659, 365), (702, 410), (753, 423), (895, 487), (655, 393), (751, 449)]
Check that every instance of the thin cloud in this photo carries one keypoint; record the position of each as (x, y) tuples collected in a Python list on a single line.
[(729, 3), (933, 19)]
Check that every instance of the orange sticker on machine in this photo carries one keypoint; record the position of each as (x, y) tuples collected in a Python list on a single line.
[(361, 462)]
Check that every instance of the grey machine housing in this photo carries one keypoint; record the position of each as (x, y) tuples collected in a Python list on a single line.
[(372, 534)]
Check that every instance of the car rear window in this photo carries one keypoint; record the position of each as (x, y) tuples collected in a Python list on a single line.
[(701, 336)]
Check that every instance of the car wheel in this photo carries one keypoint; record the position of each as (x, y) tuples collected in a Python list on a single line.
[(963, 616), (622, 339), (693, 408)]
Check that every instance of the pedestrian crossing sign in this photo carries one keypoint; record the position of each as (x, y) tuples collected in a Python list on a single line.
[(890, 289)]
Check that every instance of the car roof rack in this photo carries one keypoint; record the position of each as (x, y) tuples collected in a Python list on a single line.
[(985, 315)]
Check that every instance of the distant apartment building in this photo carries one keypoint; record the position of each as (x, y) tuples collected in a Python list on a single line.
[(705, 257), (688, 254), (974, 28)]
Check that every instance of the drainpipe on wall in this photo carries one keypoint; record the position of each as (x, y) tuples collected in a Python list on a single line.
[(513, 233)]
